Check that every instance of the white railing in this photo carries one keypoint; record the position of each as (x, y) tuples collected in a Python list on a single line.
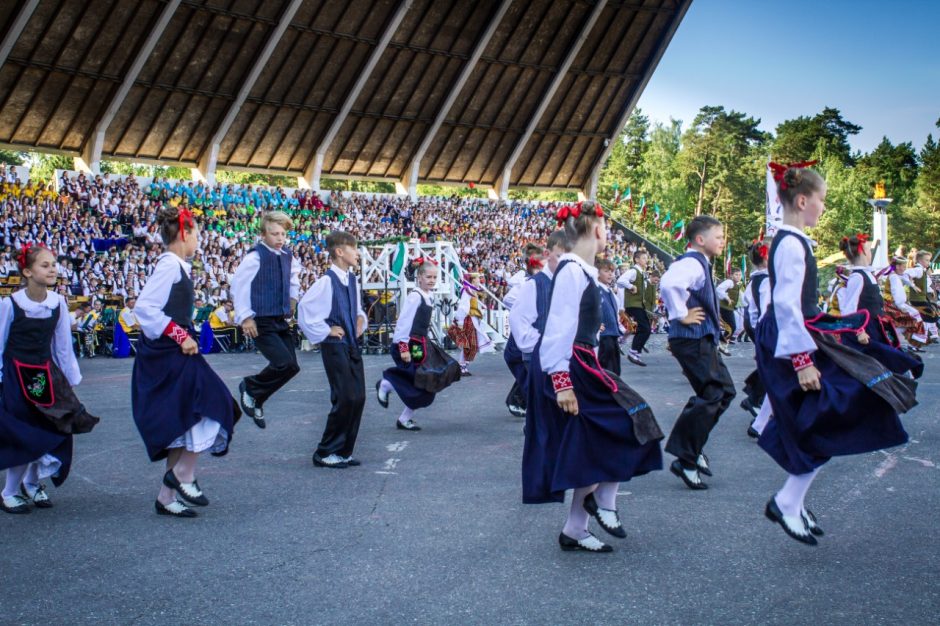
[(377, 272)]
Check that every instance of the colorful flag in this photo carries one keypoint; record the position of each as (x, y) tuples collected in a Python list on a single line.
[(679, 231), (655, 215), (616, 189), (398, 263), (728, 261), (629, 197), (667, 223)]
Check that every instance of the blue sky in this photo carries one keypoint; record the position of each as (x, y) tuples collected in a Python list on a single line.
[(876, 61)]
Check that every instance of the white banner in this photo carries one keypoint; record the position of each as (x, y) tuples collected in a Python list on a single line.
[(774, 208)]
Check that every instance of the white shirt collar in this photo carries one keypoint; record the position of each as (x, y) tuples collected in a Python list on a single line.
[(343, 276), (547, 271), (571, 256), (274, 250), (796, 231), (51, 301)]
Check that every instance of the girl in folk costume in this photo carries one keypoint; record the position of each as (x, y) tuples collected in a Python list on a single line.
[(828, 399), (468, 331), (39, 411), (879, 340), (414, 378), (923, 297), (586, 430), (756, 299), (900, 310), (181, 407), (515, 359)]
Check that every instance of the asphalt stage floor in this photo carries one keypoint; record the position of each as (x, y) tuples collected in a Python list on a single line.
[(431, 528)]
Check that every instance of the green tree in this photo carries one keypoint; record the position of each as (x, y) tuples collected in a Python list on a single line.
[(12, 158), (922, 220), (624, 165), (43, 166), (804, 138)]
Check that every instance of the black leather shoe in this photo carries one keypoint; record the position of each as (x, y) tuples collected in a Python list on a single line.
[(351, 462), (174, 509), (378, 395), (748, 406), (588, 544), (752, 432), (635, 359), (676, 468), (410, 425), (189, 492), (773, 513), (702, 465), (334, 461), (247, 404), (591, 506), (15, 504), (40, 498), (810, 520)]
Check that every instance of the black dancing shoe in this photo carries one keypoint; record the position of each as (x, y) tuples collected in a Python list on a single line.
[(174, 509), (409, 425), (189, 491), (752, 432), (608, 519), (15, 504), (635, 359), (702, 465), (383, 402), (795, 527), (248, 406), (351, 462), (588, 544), (748, 406), (516, 411), (39, 498), (810, 520), (690, 477), (334, 461)]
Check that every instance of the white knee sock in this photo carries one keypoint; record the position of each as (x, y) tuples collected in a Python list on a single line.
[(14, 478), (791, 495), (405, 415), (763, 416), (606, 495), (31, 479), (577, 523), (385, 387)]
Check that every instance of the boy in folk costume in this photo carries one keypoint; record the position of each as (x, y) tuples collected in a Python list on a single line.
[(694, 332), (728, 292), (265, 290), (923, 297), (469, 334), (608, 347), (331, 314), (637, 303)]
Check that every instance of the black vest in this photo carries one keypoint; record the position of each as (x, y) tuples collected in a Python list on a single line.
[(30, 339), (179, 305), (270, 288), (870, 298), (756, 282), (808, 301), (589, 311), (343, 311), (422, 320)]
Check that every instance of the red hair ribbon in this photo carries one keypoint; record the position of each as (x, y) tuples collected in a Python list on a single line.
[(21, 257), (534, 262), (422, 260), (186, 220), (763, 251), (862, 239), (779, 170)]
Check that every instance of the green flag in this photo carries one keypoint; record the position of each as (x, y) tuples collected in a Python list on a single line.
[(399, 263)]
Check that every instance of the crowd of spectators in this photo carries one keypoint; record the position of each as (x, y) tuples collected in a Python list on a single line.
[(101, 229)]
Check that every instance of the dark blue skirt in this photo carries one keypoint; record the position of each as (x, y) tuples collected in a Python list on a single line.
[(564, 451), (25, 433), (172, 392), (402, 378), (881, 349), (808, 428)]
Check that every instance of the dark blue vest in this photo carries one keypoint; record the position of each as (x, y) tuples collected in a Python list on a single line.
[(270, 289), (756, 281), (809, 301), (870, 299), (609, 314), (543, 294), (180, 302), (343, 312), (705, 297)]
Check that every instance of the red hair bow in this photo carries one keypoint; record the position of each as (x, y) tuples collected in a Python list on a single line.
[(21, 257), (862, 239), (763, 251), (563, 214), (779, 170), (422, 260), (186, 221), (535, 262)]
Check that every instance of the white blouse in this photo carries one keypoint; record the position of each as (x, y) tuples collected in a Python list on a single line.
[(753, 313), (848, 302), (407, 316), (561, 326), (62, 352), (153, 297), (524, 314), (790, 269)]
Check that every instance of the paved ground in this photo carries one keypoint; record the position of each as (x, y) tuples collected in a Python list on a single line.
[(431, 528)]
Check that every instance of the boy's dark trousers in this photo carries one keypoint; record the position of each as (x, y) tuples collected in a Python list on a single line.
[(275, 343), (343, 364), (643, 328), (608, 353), (714, 391)]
